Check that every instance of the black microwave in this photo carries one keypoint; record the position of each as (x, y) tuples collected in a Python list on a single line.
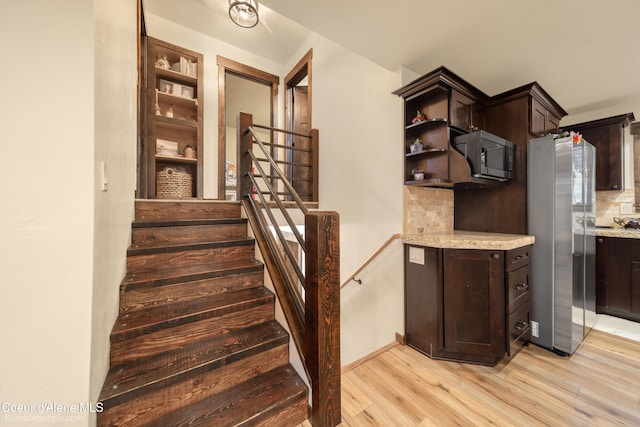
[(488, 155)]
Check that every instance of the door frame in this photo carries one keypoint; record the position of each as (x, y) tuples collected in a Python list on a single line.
[(226, 65), (297, 74), (301, 70)]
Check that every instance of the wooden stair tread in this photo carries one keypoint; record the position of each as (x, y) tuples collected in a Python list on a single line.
[(188, 209), (153, 318), (137, 299), (262, 396), (164, 247), (141, 375), (141, 223), (172, 275)]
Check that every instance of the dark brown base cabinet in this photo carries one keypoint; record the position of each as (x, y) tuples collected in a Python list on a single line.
[(618, 277), (465, 304)]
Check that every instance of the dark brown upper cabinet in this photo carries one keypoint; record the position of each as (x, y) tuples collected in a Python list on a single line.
[(543, 120), (465, 112), (607, 135)]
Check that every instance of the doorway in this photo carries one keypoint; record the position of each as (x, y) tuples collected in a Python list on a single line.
[(240, 89), (298, 119)]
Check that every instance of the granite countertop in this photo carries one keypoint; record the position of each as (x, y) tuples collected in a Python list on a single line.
[(459, 239), (625, 233)]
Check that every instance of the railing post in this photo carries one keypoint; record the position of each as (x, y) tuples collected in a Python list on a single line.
[(322, 316), (244, 141), (315, 164)]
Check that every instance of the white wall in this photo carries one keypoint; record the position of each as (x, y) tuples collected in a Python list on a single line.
[(69, 103), (359, 123), (46, 213), (115, 145)]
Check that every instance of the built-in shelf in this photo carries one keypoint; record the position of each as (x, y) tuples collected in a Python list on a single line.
[(430, 182), (426, 122), (428, 151), (176, 100), (175, 122), (175, 159), (174, 75)]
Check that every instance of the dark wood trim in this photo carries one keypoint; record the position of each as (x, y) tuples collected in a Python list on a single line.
[(141, 184), (226, 65), (623, 120), (438, 76), (247, 71), (315, 162), (322, 314), (298, 72)]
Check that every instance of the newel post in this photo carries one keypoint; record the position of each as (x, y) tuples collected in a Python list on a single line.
[(322, 316), (244, 140), (315, 155)]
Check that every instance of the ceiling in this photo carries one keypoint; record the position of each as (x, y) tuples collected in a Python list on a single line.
[(585, 53)]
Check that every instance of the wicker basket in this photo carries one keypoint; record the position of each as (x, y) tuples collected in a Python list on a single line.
[(173, 183)]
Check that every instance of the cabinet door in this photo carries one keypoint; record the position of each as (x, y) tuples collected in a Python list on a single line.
[(474, 303), (553, 123), (461, 111), (423, 298), (608, 143), (538, 120), (618, 275)]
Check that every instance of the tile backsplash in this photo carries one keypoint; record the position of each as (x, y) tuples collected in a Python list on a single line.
[(431, 209), (608, 205), (427, 209)]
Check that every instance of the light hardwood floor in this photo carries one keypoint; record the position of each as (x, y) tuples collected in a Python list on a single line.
[(599, 385)]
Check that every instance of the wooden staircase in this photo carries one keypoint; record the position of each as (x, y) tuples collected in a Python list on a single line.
[(196, 341)]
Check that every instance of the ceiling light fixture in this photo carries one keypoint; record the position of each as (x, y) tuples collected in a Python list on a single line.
[(244, 12)]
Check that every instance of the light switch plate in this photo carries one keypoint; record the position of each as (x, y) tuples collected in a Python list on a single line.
[(626, 208), (104, 181)]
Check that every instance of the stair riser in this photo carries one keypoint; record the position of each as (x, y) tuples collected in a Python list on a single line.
[(169, 294), (163, 340), (153, 236), (140, 263), (150, 405), (172, 210)]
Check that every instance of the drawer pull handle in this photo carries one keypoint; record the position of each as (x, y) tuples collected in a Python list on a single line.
[(522, 287), (521, 326), (519, 257)]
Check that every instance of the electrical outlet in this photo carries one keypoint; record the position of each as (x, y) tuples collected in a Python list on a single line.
[(535, 329), (626, 208)]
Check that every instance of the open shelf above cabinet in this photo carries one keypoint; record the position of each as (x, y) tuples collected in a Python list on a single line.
[(427, 122)]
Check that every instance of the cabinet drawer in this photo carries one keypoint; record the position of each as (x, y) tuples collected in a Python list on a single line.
[(516, 258), (518, 288), (519, 327)]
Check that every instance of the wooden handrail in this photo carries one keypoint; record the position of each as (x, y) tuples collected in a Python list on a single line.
[(315, 322), (371, 258)]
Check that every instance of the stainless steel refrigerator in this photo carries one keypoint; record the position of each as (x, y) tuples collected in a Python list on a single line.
[(561, 216)]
